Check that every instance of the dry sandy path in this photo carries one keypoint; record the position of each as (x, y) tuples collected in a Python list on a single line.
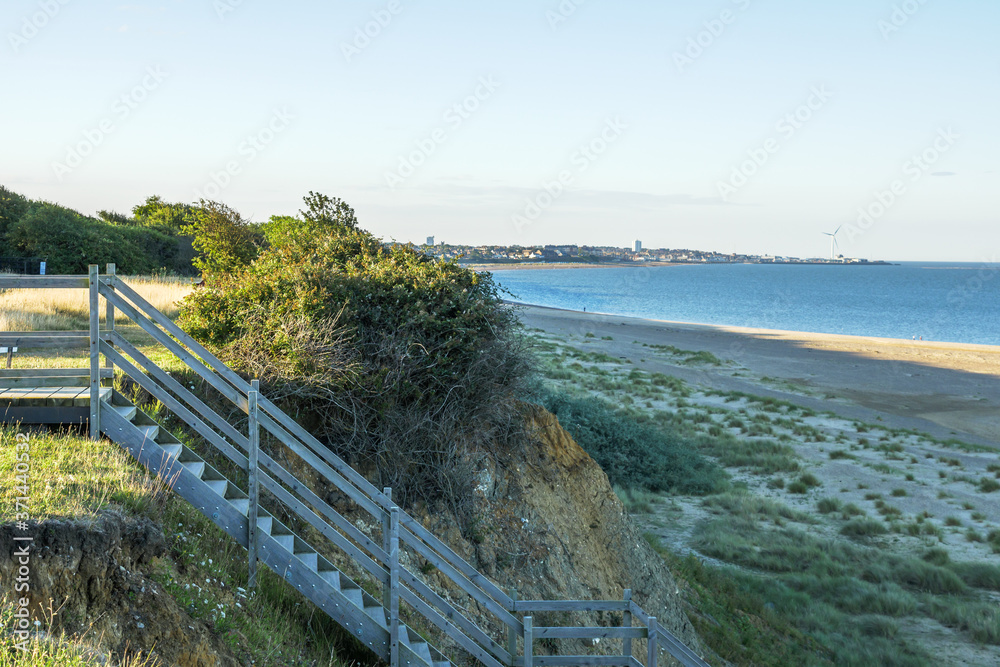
[(945, 390)]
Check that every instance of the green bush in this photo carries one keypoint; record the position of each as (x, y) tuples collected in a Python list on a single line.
[(226, 242), (70, 242), (634, 454), (408, 367), (12, 208)]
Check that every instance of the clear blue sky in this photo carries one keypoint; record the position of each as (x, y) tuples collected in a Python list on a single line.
[(667, 124)]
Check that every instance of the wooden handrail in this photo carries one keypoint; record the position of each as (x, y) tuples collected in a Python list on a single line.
[(382, 564), (43, 282)]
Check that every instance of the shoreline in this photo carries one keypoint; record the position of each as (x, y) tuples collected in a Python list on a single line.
[(949, 390), (783, 333), (544, 266)]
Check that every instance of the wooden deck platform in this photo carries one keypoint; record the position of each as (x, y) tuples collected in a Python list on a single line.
[(47, 405)]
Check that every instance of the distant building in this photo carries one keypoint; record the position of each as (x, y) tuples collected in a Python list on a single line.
[(638, 246), (430, 240)]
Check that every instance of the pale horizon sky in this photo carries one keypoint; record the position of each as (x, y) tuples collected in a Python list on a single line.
[(110, 102)]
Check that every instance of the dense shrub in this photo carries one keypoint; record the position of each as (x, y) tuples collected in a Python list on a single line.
[(633, 454), (408, 367), (71, 241), (12, 207), (226, 242)]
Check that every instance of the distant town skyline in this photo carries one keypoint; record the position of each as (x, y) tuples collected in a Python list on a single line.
[(739, 125)]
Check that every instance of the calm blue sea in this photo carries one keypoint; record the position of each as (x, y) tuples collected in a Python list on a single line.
[(940, 301)]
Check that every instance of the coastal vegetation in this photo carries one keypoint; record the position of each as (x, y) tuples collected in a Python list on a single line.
[(787, 562), (411, 367), (774, 517), (150, 240), (201, 569)]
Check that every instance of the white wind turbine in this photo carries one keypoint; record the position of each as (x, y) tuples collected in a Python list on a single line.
[(833, 241)]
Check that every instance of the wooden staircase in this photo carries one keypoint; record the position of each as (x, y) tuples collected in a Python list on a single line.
[(374, 621)]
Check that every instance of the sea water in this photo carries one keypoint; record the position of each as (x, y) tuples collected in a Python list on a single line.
[(952, 302)]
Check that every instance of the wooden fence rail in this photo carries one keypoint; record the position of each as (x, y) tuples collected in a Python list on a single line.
[(381, 559)]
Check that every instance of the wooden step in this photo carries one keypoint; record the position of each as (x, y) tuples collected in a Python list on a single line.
[(264, 524), (286, 541), (149, 432), (173, 450), (126, 411), (197, 468), (310, 558), (241, 504), (418, 645), (220, 486), (332, 577), (377, 614)]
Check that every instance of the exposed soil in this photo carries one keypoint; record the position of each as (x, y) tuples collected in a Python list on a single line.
[(90, 578)]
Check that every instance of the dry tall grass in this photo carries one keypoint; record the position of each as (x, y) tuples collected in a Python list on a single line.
[(68, 309)]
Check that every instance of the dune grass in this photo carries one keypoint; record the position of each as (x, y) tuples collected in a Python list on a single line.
[(67, 309)]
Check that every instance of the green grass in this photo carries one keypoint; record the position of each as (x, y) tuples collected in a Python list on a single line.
[(793, 591), (749, 619), (637, 501), (743, 504), (829, 505), (863, 527), (83, 477), (59, 650), (763, 457), (987, 485), (634, 455)]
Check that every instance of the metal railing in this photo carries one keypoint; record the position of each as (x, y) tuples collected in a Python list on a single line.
[(379, 559)]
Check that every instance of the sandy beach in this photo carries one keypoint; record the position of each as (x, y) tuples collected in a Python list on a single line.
[(945, 389)]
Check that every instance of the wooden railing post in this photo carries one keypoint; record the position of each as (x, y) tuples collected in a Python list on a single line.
[(652, 643), (627, 623), (95, 353), (386, 545), (109, 324), (394, 587), (512, 631), (253, 435), (528, 641)]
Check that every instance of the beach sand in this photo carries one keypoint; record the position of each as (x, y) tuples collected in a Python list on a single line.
[(945, 389)]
